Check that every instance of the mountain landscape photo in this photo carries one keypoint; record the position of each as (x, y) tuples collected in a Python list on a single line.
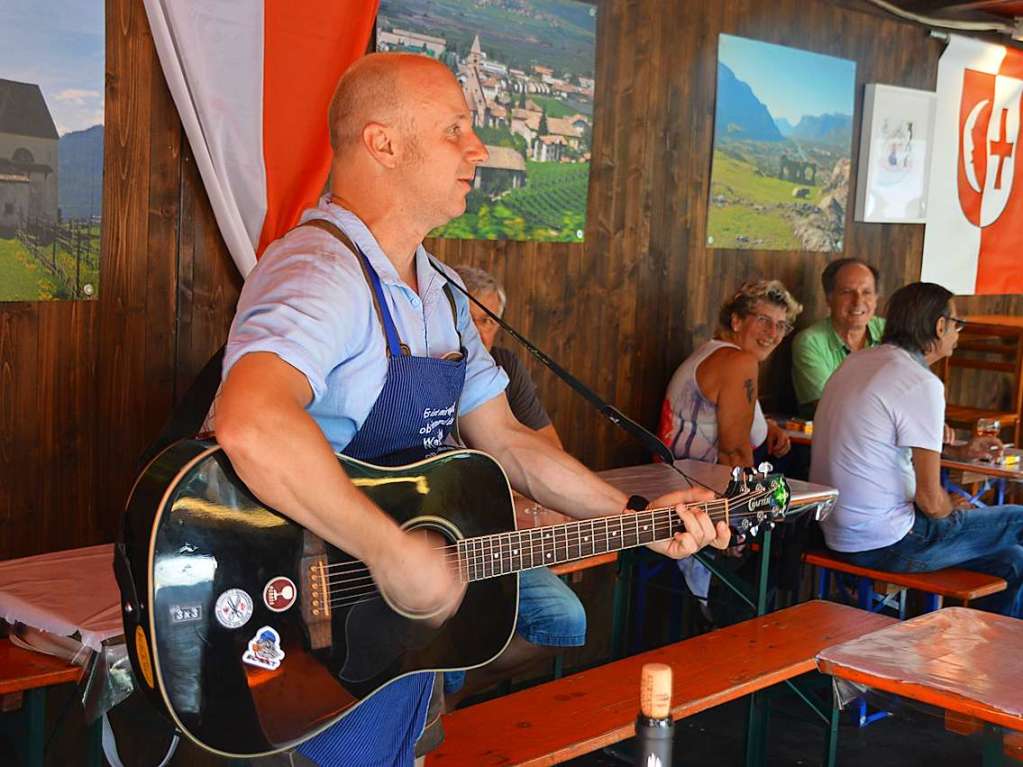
[(782, 148)]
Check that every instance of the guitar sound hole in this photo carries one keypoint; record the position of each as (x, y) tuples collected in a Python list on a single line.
[(438, 533), (379, 635), (434, 537)]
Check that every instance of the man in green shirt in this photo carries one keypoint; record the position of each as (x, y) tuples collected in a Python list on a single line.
[(850, 286)]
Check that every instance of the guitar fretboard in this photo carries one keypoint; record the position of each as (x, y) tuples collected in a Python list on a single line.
[(492, 555)]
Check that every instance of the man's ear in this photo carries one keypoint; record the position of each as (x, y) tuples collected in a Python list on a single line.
[(379, 142)]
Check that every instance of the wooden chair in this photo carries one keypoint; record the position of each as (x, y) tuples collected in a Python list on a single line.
[(559, 720), (994, 343)]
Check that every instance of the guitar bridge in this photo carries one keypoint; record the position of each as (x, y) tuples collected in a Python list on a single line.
[(315, 592)]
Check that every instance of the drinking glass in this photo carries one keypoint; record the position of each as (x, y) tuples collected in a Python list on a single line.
[(988, 427)]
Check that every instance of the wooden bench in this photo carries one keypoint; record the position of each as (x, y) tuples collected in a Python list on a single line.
[(559, 720), (953, 582), (30, 673)]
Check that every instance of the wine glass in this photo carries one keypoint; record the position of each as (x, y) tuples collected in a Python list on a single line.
[(988, 427)]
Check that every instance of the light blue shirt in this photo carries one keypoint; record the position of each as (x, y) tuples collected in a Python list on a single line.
[(308, 301)]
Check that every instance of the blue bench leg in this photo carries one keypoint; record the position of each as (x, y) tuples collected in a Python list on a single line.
[(644, 572), (823, 583), (931, 603), (865, 593)]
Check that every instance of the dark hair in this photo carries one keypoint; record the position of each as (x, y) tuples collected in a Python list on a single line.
[(746, 297), (912, 315), (830, 273)]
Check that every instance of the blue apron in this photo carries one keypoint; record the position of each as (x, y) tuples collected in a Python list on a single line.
[(414, 413)]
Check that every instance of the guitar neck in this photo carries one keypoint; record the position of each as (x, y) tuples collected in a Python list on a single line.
[(489, 556)]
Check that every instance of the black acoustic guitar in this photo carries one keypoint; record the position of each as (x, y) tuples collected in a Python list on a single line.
[(253, 635)]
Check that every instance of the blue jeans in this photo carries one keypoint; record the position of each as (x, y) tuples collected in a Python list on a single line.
[(986, 540), (550, 614)]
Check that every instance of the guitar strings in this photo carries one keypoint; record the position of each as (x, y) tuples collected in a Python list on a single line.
[(573, 533), (503, 546), (575, 527), (367, 590)]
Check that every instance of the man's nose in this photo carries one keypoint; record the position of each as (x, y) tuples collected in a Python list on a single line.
[(477, 152)]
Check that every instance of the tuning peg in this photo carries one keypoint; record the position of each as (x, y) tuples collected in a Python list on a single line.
[(765, 468), (736, 473)]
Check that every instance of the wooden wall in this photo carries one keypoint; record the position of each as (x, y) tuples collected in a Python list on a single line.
[(85, 385), (624, 309)]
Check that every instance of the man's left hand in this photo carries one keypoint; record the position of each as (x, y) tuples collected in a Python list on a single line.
[(700, 530), (778, 443)]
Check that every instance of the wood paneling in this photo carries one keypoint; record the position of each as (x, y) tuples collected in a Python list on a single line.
[(625, 308), (85, 385)]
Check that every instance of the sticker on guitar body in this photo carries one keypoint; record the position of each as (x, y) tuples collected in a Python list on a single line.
[(233, 608), (279, 594), (264, 650)]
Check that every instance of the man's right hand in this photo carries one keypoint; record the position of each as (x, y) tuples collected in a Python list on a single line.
[(984, 448), (419, 577)]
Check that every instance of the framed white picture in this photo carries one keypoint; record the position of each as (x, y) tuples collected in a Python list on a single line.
[(895, 147)]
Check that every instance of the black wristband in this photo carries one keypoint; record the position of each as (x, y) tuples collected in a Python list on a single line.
[(637, 503)]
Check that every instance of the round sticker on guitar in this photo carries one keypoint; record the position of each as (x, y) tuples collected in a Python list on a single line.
[(279, 594), (233, 609)]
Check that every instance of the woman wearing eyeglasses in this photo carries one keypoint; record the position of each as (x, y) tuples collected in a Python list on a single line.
[(710, 411)]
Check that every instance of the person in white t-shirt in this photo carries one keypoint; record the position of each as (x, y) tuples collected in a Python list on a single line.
[(877, 438)]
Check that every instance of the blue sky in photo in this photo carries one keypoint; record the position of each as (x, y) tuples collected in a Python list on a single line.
[(59, 46), (789, 81)]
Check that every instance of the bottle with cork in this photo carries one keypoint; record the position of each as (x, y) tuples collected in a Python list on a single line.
[(655, 729)]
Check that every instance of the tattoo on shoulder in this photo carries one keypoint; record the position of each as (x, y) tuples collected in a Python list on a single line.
[(748, 383)]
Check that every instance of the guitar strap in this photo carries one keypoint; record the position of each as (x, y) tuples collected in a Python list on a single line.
[(187, 417)]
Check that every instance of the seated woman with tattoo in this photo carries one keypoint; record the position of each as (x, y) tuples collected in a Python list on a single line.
[(710, 411)]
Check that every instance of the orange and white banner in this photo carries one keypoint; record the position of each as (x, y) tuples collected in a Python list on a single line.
[(252, 80), (973, 243)]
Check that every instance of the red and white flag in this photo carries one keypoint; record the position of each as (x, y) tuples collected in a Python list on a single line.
[(973, 243), (252, 80)]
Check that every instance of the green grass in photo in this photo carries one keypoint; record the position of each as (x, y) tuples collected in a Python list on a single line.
[(21, 278), (551, 207), (554, 107), (734, 178), (768, 230)]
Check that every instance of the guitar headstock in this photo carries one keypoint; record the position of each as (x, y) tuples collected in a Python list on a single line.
[(755, 497)]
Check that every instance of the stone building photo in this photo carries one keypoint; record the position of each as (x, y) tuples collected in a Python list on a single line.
[(51, 149)]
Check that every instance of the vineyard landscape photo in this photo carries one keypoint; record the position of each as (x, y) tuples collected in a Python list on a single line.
[(527, 70), (51, 149)]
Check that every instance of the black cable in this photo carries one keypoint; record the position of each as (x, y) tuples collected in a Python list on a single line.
[(610, 412)]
